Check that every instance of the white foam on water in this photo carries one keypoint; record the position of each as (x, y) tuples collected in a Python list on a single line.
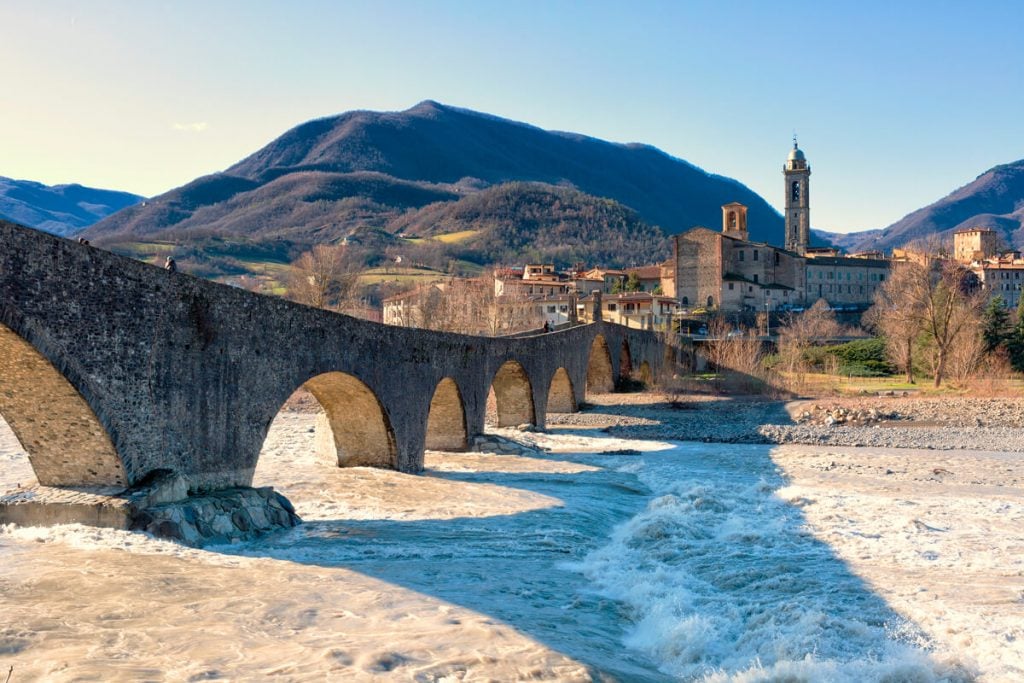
[(725, 581)]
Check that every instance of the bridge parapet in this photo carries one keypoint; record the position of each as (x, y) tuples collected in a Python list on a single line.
[(154, 371)]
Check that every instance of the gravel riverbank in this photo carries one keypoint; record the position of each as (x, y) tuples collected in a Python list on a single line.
[(946, 423)]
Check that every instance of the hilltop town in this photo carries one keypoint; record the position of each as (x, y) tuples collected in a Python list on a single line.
[(710, 273)]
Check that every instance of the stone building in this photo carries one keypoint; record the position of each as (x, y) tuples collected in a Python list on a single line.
[(975, 244), (1001, 276), (726, 271), (844, 281), (723, 270)]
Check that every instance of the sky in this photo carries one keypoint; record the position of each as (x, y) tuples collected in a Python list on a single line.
[(895, 103)]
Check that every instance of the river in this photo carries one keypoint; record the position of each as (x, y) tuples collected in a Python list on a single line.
[(683, 561)]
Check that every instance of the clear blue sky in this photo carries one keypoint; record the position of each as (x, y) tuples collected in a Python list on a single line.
[(895, 103)]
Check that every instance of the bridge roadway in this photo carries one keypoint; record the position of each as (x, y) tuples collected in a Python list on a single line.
[(112, 370)]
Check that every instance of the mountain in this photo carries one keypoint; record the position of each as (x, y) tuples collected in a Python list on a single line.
[(60, 209), (847, 241), (995, 199), (327, 178)]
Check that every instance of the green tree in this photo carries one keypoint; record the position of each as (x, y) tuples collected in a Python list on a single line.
[(633, 283), (995, 324), (1015, 340)]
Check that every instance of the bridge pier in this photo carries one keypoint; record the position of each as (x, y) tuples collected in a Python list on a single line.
[(113, 372)]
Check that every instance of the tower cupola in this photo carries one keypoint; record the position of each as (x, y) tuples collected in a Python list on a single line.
[(797, 215)]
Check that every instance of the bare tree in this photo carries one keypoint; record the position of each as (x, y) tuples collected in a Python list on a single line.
[(967, 355), (737, 354), (467, 306), (801, 331), (323, 277), (898, 318), (939, 302)]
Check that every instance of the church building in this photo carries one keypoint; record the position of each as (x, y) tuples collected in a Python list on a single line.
[(728, 272)]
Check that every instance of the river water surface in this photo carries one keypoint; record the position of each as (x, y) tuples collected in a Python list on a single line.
[(694, 562)]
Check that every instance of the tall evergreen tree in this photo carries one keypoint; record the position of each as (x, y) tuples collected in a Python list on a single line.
[(995, 324), (1015, 339)]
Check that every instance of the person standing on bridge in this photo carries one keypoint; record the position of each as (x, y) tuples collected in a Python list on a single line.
[(170, 265)]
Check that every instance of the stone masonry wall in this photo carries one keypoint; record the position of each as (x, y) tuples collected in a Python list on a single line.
[(186, 375)]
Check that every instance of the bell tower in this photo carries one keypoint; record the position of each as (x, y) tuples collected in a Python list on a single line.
[(797, 173), (734, 221)]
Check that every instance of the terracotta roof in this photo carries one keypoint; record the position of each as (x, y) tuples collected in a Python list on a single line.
[(652, 272)]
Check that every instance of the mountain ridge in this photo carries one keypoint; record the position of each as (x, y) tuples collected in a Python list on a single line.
[(994, 199), (430, 152), (59, 209)]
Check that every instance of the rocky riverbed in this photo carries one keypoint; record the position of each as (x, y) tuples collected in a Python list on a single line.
[(946, 423)]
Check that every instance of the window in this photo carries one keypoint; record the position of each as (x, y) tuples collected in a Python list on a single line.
[(711, 301), (611, 307), (732, 219), (755, 277), (563, 308), (551, 309), (776, 258), (881, 277), (794, 191), (831, 275), (741, 254), (755, 254), (730, 286), (686, 301)]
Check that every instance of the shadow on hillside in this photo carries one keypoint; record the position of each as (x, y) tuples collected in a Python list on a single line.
[(716, 546)]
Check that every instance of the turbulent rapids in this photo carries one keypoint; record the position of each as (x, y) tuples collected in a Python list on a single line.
[(695, 562)]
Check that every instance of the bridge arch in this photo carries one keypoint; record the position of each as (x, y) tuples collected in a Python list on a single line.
[(67, 445), (561, 398), (625, 361), (513, 394), (355, 430), (446, 422), (646, 375), (599, 367)]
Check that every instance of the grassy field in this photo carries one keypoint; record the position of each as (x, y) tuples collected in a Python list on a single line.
[(822, 384), (455, 237), (407, 275)]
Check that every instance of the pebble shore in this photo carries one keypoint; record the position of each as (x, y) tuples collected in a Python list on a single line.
[(946, 423)]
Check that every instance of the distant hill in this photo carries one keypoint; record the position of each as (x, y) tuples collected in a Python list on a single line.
[(328, 178), (539, 222), (60, 209), (995, 199), (846, 241)]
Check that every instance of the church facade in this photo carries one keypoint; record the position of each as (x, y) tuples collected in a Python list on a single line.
[(728, 272)]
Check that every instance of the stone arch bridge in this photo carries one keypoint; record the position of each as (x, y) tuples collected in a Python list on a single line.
[(112, 370)]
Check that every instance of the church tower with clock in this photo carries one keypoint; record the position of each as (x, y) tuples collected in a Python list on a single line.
[(798, 207)]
